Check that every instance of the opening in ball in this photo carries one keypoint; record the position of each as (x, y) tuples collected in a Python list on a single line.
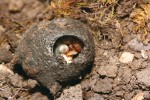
[(69, 47)]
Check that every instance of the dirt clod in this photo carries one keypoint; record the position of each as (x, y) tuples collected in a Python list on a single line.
[(144, 77), (31, 83), (96, 96), (16, 80), (103, 86), (38, 96), (109, 71), (137, 45), (15, 5), (5, 56), (73, 93), (139, 96)]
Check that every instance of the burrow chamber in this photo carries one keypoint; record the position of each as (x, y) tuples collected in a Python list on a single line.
[(69, 47)]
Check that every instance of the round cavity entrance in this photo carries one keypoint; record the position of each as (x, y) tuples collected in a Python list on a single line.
[(69, 47)]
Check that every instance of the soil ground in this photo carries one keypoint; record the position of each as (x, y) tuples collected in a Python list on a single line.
[(121, 30)]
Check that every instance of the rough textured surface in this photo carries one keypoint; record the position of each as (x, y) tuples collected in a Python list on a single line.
[(136, 45), (96, 97), (113, 23), (15, 5), (110, 71), (73, 93), (125, 7), (144, 77), (103, 86), (4, 71), (139, 96), (5, 54), (38, 56)]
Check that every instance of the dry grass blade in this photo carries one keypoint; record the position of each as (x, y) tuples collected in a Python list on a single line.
[(141, 14)]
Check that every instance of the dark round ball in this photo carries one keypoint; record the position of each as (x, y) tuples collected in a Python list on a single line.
[(38, 56)]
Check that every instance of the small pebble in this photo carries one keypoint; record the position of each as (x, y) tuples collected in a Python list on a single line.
[(31, 83), (2, 29), (139, 96), (126, 57), (5, 71), (136, 45), (16, 80), (144, 54), (38, 96), (15, 5)]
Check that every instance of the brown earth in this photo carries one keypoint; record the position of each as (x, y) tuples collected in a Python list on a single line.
[(121, 31)]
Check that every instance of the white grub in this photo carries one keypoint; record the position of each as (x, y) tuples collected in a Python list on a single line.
[(72, 53), (69, 56), (67, 52), (63, 48), (67, 59)]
